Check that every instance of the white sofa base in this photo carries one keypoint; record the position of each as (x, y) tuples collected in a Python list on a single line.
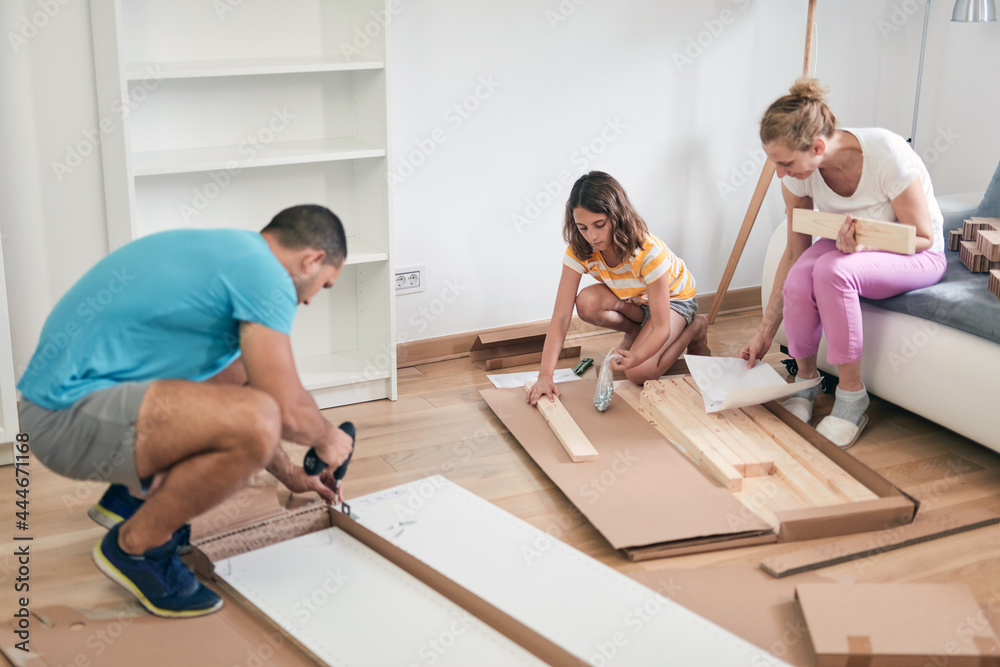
[(946, 375)]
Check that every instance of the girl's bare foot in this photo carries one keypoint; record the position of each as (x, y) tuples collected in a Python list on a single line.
[(699, 343)]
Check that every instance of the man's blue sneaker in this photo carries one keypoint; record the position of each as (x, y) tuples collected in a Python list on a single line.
[(117, 505), (158, 578)]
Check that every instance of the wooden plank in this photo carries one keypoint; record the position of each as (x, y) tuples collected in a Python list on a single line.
[(703, 454), (888, 236), (717, 422), (698, 427), (988, 243), (573, 439), (757, 441), (525, 359), (833, 476), (867, 545), (995, 282)]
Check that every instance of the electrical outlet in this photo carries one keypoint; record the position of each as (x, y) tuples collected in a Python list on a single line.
[(410, 279)]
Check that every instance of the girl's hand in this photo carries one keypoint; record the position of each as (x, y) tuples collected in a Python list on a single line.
[(847, 242), (542, 388), (625, 360)]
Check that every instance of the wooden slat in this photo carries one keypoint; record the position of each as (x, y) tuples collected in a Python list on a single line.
[(698, 426), (704, 454), (566, 430), (757, 441), (889, 236), (954, 238), (525, 359), (833, 476), (718, 424), (995, 282), (973, 225)]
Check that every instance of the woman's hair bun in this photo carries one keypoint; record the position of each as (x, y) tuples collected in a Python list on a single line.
[(809, 89)]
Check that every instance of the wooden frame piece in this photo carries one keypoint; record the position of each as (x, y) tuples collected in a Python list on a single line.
[(970, 256), (994, 284), (696, 447), (570, 435), (988, 243), (888, 236)]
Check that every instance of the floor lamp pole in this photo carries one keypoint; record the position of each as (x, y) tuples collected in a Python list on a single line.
[(920, 76), (766, 174)]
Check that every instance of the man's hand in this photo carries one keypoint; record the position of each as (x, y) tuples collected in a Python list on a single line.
[(543, 388), (298, 481)]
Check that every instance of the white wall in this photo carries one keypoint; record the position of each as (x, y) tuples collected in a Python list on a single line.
[(677, 132)]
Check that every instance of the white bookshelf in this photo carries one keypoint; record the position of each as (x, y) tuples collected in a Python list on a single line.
[(223, 118), (8, 391)]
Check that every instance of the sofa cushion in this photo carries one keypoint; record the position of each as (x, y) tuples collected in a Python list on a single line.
[(990, 206)]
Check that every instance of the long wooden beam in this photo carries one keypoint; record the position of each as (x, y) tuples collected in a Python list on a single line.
[(889, 236)]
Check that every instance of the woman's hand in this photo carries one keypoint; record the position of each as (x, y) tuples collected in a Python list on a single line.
[(756, 349), (541, 388), (847, 241)]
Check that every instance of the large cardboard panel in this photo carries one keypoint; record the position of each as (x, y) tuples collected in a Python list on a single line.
[(902, 625), (656, 475), (641, 491)]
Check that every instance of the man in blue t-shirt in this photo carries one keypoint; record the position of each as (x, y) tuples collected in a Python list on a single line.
[(167, 370)]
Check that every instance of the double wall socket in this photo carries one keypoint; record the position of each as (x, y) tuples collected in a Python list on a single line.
[(410, 279)]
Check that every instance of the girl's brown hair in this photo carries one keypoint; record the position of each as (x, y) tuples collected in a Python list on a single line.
[(799, 117), (601, 193)]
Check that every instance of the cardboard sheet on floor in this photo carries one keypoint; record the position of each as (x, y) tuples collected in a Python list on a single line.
[(641, 491), (745, 601), (902, 625)]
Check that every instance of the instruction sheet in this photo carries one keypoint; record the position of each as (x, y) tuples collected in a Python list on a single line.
[(727, 383)]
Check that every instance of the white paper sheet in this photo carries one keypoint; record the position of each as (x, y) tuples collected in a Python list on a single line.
[(511, 380), (727, 383)]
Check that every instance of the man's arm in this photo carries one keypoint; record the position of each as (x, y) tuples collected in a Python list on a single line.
[(270, 367)]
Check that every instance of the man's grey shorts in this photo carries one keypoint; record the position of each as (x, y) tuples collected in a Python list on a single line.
[(93, 439), (686, 308)]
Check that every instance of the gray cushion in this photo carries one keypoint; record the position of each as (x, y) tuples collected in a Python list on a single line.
[(990, 206)]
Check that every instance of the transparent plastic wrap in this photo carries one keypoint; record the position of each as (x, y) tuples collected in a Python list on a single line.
[(605, 382)]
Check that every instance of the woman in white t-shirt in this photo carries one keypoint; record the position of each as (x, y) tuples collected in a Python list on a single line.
[(865, 173)]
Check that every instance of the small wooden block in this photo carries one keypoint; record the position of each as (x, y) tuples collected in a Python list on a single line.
[(973, 225), (988, 243), (973, 260), (877, 234), (954, 239), (995, 282), (566, 430)]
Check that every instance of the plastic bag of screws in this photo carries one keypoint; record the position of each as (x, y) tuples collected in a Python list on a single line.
[(605, 382)]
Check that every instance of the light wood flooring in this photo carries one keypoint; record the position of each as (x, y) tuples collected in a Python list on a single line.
[(440, 425)]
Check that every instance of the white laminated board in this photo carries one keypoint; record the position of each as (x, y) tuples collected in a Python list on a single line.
[(591, 610), (349, 606)]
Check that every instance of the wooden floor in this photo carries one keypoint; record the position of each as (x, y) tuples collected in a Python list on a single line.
[(440, 425)]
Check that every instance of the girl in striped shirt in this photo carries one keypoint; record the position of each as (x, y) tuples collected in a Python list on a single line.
[(644, 290)]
